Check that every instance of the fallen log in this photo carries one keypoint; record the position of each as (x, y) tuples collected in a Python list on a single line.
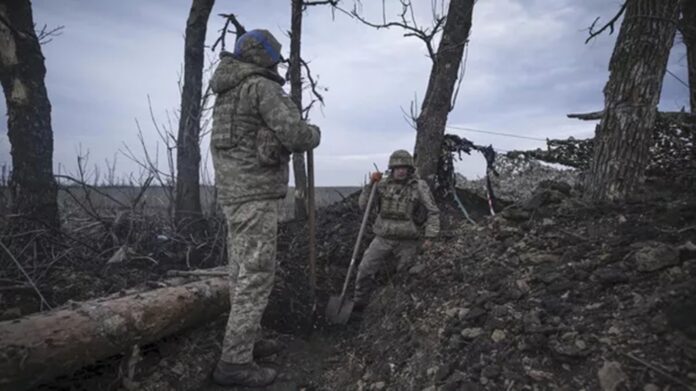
[(36, 348)]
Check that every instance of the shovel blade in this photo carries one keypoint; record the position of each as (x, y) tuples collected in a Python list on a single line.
[(338, 310)]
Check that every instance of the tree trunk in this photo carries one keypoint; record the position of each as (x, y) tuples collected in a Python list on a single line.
[(688, 30), (188, 155), (295, 71), (32, 186), (430, 124), (637, 68), (36, 348)]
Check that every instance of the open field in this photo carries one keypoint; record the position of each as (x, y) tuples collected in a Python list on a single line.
[(157, 199)]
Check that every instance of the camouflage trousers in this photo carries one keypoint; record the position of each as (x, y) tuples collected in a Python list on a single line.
[(377, 251), (251, 246)]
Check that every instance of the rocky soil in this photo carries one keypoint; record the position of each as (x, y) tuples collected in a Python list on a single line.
[(551, 294)]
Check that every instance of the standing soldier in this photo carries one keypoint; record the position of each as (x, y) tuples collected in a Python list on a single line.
[(399, 197), (255, 128)]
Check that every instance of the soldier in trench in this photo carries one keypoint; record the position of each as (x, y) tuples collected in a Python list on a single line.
[(255, 128), (399, 199)]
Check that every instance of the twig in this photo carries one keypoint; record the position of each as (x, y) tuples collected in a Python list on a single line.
[(411, 27), (609, 25), (312, 82), (143, 189), (239, 30), (86, 185), (343, 198), (90, 212), (658, 370), (218, 234), (460, 76), (46, 36), (461, 205), (21, 269)]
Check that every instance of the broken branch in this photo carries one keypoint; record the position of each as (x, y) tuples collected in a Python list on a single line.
[(609, 25), (29, 280), (239, 30)]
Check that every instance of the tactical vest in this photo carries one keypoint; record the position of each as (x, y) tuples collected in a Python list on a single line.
[(397, 201), (248, 130)]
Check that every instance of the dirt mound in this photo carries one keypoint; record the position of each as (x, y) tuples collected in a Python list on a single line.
[(290, 308), (291, 305), (551, 294)]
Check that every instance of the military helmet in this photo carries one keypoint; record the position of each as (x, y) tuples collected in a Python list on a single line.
[(258, 47), (400, 158)]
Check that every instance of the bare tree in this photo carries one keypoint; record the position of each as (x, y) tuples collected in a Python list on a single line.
[(453, 30), (295, 72), (295, 65), (188, 155), (439, 95), (687, 26), (22, 72), (637, 68)]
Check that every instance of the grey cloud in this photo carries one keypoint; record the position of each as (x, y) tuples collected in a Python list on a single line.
[(527, 67)]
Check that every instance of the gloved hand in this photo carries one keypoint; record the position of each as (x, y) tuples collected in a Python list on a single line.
[(316, 135), (375, 177)]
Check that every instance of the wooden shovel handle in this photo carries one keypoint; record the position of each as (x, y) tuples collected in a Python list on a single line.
[(311, 216), (360, 235)]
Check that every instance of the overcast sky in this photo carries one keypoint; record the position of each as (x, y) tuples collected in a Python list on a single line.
[(527, 67)]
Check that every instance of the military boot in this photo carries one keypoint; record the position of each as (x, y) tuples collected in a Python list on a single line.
[(267, 347), (246, 375)]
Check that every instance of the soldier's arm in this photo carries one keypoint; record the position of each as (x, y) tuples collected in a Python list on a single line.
[(365, 194), (282, 116), (432, 224)]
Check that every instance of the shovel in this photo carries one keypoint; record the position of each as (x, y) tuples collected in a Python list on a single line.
[(339, 308), (311, 216)]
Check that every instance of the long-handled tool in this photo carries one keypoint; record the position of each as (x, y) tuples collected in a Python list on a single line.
[(339, 308), (311, 216)]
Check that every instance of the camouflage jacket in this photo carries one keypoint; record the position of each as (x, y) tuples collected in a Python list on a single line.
[(255, 128), (398, 206)]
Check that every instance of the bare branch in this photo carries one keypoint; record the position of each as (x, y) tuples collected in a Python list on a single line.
[(412, 116), (460, 77), (595, 115), (29, 280), (306, 109), (332, 3), (84, 184), (679, 117), (609, 25), (46, 35), (312, 82), (239, 30), (408, 23)]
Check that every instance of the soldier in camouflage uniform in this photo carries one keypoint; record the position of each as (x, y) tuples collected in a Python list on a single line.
[(398, 197), (255, 128)]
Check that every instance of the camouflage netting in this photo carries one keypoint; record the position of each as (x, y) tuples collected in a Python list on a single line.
[(672, 151), (672, 157), (518, 177)]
